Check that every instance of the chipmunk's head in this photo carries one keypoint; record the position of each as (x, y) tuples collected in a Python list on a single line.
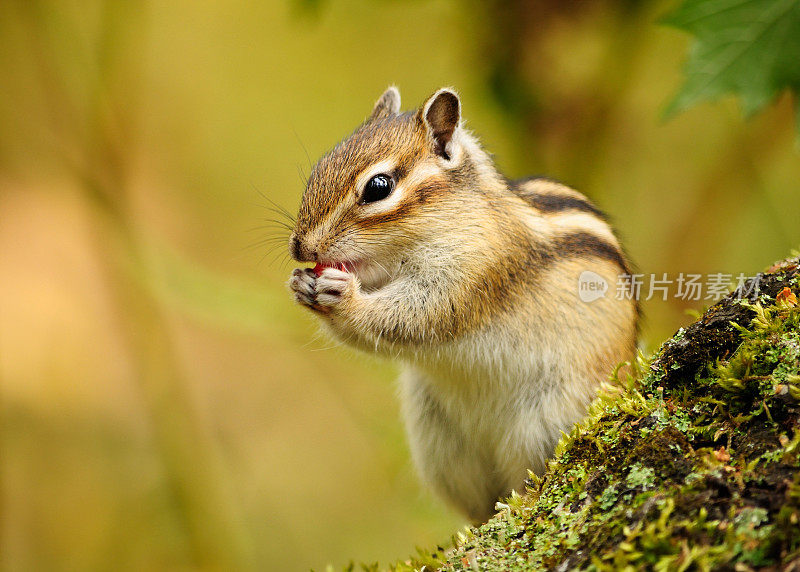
[(372, 197)]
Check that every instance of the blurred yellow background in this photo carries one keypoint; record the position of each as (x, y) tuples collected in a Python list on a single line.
[(165, 405)]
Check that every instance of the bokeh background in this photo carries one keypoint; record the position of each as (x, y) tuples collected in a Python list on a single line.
[(164, 404)]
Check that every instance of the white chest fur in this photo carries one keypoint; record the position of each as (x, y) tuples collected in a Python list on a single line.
[(482, 411)]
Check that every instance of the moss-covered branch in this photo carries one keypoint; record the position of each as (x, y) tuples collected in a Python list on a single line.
[(693, 465)]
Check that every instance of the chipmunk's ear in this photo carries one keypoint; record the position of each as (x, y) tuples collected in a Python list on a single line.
[(442, 116), (387, 105)]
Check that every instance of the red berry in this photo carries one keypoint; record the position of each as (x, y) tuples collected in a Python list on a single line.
[(320, 267)]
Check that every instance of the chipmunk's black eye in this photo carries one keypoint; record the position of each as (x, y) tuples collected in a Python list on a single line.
[(377, 188)]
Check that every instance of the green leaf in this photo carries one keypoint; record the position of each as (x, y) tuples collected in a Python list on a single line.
[(746, 47)]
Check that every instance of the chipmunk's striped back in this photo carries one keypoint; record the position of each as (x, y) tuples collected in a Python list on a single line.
[(572, 210)]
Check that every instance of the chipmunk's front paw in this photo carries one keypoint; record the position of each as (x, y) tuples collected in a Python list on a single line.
[(331, 291), (335, 289), (303, 283)]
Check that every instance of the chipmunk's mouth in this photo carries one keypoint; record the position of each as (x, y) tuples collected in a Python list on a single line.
[(371, 275), (345, 266)]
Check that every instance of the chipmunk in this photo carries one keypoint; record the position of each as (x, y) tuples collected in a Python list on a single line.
[(427, 255)]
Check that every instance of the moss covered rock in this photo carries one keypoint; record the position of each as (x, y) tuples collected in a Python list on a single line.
[(691, 465)]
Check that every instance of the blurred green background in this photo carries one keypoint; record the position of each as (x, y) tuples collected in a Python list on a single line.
[(165, 405)]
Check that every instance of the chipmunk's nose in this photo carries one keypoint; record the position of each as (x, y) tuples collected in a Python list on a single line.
[(300, 251)]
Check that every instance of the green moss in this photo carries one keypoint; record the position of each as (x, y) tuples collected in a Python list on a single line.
[(691, 464)]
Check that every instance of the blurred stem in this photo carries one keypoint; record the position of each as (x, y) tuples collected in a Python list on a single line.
[(512, 38), (188, 454), (615, 75), (192, 466)]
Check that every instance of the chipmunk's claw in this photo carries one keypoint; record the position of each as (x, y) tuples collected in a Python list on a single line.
[(303, 284)]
